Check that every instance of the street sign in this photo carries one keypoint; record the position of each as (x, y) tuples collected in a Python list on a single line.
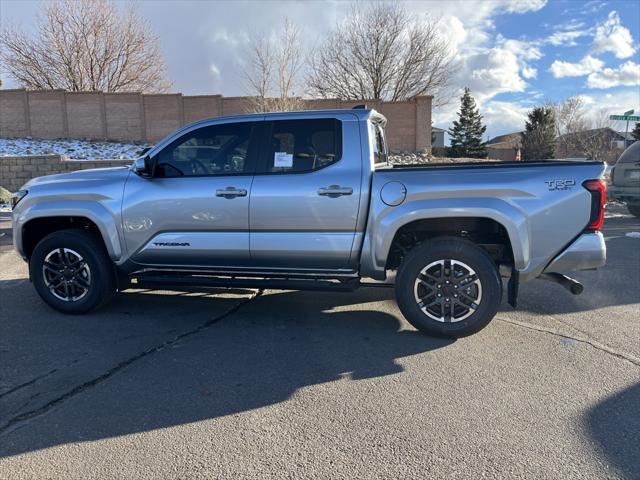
[(630, 118), (628, 112)]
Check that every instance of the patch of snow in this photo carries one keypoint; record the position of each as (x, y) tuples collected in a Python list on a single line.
[(632, 234), (616, 215), (72, 149)]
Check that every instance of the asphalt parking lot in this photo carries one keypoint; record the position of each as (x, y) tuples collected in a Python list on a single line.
[(247, 384)]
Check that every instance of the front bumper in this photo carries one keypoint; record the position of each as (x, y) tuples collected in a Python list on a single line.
[(587, 252)]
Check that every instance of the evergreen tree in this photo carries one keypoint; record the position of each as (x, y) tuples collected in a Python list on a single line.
[(635, 133), (539, 138), (466, 133)]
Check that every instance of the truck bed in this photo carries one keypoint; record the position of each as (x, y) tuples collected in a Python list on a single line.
[(543, 206)]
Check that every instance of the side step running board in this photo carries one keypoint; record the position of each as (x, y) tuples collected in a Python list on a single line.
[(157, 280)]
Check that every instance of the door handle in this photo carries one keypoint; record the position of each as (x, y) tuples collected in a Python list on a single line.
[(231, 192), (335, 191)]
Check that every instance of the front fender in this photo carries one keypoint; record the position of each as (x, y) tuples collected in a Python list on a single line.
[(105, 220), (385, 223)]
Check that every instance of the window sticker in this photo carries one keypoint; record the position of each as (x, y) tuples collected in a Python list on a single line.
[(282, 160)]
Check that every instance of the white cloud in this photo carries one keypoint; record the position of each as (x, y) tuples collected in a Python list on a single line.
[(495, 72), (503, 68), (521, 48), (587, 65), (566, 38), (504, 117), (612, 37), (627, 74), (454, 32), (523, 6), (600, 105), (235, 39), (215, 71)]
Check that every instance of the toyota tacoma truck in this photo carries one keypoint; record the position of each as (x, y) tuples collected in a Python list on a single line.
[(308, 200)]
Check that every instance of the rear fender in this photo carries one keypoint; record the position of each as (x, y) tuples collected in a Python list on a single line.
[(385, 224)]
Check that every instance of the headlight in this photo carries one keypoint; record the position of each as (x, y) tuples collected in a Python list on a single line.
[(16, 197)]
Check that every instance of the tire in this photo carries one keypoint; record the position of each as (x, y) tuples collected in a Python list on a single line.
[(89, 277), (634, 209), (475, 299)]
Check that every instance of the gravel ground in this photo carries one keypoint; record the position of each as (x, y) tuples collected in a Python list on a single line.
[(248, 384)]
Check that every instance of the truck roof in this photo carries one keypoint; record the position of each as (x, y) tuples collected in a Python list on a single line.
[(361, 113)]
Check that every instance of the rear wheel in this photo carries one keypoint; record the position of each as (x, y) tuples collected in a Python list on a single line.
[(72, 271), (634, 209), (448, 287)]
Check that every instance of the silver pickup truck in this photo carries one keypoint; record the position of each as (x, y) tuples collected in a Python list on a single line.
[(308, 200)]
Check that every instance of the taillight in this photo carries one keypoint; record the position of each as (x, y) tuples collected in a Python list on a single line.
[(598, 191)]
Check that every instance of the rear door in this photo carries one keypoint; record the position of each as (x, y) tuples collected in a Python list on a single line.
[(195, 209), (306, 194)]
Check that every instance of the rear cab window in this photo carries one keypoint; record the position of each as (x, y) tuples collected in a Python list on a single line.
[(298, 146), (378, 144)]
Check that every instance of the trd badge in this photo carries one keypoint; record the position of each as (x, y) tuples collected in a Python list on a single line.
[(560, 184)]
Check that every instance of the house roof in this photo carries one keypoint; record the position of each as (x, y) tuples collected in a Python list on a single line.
[(510, 140), (436, 129), (627, 135), (597, 131)]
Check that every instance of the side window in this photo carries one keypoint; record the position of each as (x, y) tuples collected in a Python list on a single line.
[(303, 145), (214, 150)]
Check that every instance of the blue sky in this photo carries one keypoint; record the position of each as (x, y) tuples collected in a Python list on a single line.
[(512, 54)]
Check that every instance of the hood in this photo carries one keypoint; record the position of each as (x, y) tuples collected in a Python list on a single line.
[(83, 179)]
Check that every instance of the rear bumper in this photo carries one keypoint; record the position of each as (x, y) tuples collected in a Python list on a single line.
[(588, 251), (624, 194)]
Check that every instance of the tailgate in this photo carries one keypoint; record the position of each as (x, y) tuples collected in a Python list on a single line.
[(627, 170), (627, 175)]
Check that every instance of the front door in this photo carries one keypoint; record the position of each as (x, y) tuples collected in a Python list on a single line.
[(306, 194), (194, 211)]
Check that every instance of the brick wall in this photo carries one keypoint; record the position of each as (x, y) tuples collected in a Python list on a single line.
[(16, 171), (148, 118)]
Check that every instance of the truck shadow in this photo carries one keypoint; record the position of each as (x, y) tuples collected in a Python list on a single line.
[(614, 424), (270, 348)]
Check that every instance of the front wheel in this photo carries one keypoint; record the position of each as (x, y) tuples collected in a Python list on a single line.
[(72, 271), (448, 287)]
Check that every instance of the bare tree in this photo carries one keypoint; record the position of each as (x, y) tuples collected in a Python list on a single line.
[(597, 140), (274, 70), (381, 52), (86, 45), (581, 135)]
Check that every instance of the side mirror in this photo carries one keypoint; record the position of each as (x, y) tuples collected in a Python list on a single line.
[(142, 166)]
